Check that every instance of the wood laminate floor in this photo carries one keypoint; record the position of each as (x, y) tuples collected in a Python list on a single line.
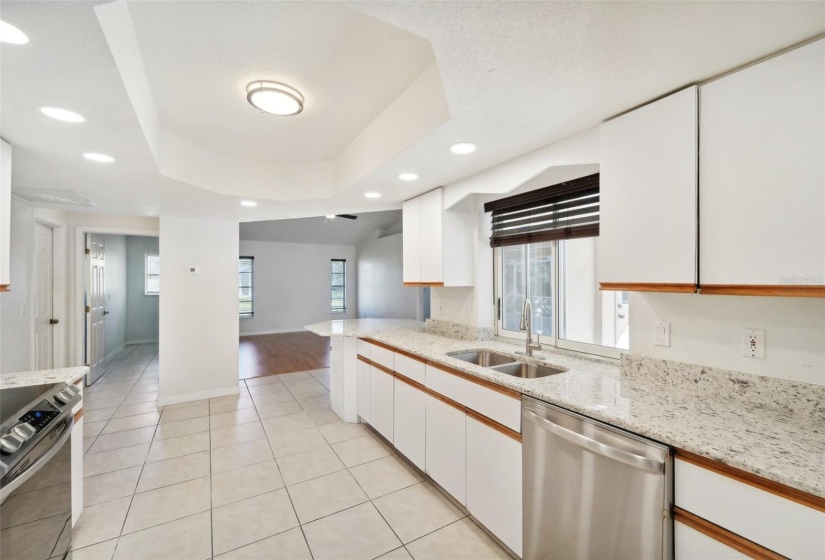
[(271, 354)]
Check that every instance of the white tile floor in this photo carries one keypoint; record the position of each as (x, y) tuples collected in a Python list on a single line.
[(269, 474)]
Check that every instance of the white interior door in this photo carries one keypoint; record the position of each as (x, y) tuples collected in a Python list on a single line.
[(95, 253), (43, 297)]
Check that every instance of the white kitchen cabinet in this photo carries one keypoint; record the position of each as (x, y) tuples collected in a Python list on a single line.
[(343, 379), (5, 215), (438, 244), (364, 391), (762, 178), (409, 430), (494, 491), (445, 447), (690, 544), (382, 398), (648, 186), (76, 442)]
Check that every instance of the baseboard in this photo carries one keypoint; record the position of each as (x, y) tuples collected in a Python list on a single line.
[(113, 352), (177, 399), (274, 331), (142, 341)]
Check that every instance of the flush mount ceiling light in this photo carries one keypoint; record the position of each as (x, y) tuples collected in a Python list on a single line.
[(62, 114), (408, 176), (249, 203), (330, 216), (463, 148), (275, 98), (99, 158), (10, 34), (372, 195)]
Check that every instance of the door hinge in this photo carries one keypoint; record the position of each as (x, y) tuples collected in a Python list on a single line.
[(498, 311), (88, 251), (88, 309)]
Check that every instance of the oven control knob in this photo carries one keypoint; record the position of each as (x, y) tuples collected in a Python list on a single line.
[(10, 443), (63, 397), (24, 431)]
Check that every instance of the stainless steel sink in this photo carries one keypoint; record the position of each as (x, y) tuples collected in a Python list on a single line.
[(484, 358), (527, 371)]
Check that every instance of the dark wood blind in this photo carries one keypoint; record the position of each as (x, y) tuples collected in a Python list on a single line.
[(565, 211)]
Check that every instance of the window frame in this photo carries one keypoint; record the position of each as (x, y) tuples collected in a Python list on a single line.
[(251, 286), (147, 275), (337, 310), (555, 341)]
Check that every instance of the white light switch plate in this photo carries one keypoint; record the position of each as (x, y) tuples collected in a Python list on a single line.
[(661, 333), (753, 343)]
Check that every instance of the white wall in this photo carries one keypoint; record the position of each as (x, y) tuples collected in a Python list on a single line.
[(381, 290), (707, 330), (198, 313), (114, 280), (291, 283), (142, 311), (16, 306)]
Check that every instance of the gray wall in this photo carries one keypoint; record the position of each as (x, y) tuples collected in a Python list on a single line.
[(141, 310), (381, 290), (114, 280), (292, 285)]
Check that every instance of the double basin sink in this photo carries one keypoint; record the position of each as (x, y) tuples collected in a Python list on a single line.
[(507, 364)]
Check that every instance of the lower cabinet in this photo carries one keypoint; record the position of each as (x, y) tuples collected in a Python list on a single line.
[(494, 492), (381, 402), (445, 457), (364, 391), (690, 544), (409, 430)]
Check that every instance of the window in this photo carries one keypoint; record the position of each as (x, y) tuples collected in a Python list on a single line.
[(245, 307), (338, 283), (151, 280)]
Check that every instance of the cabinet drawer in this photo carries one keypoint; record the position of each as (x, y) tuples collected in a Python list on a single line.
[(497, 406), (690, 544), (364, 348), (410, 368), (779, 524), (382, 356)]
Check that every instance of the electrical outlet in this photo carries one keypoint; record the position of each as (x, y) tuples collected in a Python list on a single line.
[(753, 343), (661, 333)]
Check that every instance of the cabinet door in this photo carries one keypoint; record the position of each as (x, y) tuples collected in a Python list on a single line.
[(648, 194), (77, 470), (432, 252), (409, 428), (762, 180), (411, 239), (336, 377), (381, 402), (364, 391), (445, 447), (690, 544), (494, 482)]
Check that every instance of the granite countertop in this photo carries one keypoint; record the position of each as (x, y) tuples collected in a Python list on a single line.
[(708, 415), (42, 377)]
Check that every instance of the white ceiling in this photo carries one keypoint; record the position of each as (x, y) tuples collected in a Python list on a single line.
[(339, 231), (513, 77)]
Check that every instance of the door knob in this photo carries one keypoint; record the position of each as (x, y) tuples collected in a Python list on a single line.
[(54, 321), (105, 312)]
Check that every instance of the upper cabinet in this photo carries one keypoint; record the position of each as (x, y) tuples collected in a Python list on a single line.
[(762, 177), (439, 247), (5, 215), (647, 238)]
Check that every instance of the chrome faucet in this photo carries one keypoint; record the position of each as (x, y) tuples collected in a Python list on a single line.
[(526, 324)]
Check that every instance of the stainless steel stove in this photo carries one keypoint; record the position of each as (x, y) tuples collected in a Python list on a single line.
[(35, 471)]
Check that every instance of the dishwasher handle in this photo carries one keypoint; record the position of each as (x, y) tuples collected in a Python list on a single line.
[(594, 446)]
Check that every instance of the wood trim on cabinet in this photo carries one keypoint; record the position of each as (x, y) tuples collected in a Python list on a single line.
[(393, 349), (381, 368), (781, 290), (425, 284), (5, 287), (494, 425), (365, 360), (762, 483), (645, 287), (414, 384), (446, 400), (722, 535), (477, 380), (78, 415)]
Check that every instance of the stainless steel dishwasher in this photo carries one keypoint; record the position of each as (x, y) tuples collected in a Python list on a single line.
[(592, 491)]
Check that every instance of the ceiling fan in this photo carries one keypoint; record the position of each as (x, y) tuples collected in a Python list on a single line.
[(330, 217)]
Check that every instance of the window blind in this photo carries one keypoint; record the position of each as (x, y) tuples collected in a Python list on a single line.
[(152, 278), (245, 307), (567, 210), (338, 285)]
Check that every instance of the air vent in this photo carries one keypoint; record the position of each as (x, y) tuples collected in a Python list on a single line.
[(40, 195)]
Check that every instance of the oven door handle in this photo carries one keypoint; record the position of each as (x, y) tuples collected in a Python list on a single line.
[(32, 470), (597, 447)]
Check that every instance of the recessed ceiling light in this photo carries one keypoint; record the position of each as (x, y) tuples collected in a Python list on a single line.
[(372, 195), (275, 98), (330, 216), (10, 34), (408, 176), (62, 114), (100, 158), (463, 148), (249, 203)]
